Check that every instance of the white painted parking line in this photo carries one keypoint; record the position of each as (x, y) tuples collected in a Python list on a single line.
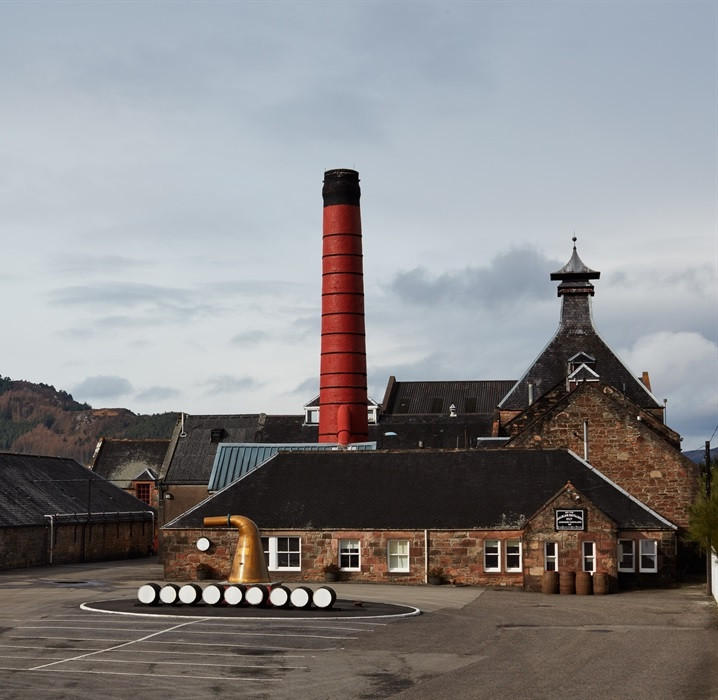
[(229, 679), (269, 634), (100, 651), (233, 634), (191, 663), (122, 643), (77, 627)]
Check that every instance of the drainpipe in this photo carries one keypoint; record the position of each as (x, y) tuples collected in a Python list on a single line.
[(585, 439), (52, 534), (426, 556)]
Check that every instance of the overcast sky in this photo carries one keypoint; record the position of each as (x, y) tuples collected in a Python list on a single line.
[(161, 168)]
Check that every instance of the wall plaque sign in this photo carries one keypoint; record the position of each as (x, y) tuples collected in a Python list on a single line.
[(573, 519)]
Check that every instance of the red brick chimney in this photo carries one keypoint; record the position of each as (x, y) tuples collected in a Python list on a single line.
[(342, 377)]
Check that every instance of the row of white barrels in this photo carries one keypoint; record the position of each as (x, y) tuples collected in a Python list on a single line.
[(235, 594)]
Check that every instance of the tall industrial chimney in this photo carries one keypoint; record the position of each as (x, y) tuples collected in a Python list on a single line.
[(342, 377)]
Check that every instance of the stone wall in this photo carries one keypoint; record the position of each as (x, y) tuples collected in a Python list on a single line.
[(622, 447), (22, 547), (541, 529), (459, 553)]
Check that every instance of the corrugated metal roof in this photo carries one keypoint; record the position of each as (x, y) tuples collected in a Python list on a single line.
[(233, 460)]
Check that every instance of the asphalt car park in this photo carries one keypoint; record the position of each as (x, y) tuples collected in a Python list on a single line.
[(468, 643)]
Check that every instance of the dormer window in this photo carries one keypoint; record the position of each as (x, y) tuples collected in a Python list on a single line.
[(581, 358)]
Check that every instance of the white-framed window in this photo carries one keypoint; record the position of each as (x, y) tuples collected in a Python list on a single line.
[(550, 556), (349, 555), (311, 416), (492, 555), (648, 556), (283, 553), (588, 560), (398, 555), (626, 555), (513, 555)]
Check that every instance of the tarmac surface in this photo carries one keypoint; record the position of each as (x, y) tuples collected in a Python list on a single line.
[(468, 643)]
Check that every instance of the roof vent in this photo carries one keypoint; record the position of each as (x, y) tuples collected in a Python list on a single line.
[(217, 434)]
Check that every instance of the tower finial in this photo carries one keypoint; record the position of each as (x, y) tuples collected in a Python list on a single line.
[(574, 241)]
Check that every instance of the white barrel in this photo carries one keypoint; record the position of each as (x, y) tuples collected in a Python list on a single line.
[(256, 595), (234, 595), (168, 593), (149, 593), (324, 597), (279, 596), (301, 597), (190, 594), (212, 594)]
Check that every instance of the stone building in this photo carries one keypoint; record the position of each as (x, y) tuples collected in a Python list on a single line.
[(577, 395), (487, 517), (55, 511)]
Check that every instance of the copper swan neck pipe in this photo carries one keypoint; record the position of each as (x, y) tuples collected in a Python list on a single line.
[(248, 565)]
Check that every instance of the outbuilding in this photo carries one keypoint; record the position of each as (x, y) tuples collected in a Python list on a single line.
[(55, 511), (489, 517)]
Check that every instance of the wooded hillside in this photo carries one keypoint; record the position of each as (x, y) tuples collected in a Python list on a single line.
[(39, 419)]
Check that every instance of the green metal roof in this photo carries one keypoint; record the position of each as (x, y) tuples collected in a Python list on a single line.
[(233, 460)]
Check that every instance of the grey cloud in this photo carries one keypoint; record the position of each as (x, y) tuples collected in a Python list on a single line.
[(102, 387), (227, 384), (119, 294), (100, 264), (509, 279), (249, 338), (307, 387), (159, 304), (157, 393)]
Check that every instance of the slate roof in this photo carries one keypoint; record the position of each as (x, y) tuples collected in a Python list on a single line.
[(414, 490), (190, 458), (576, 335), (435, 397), (550, 369), (32, 487), (432, 431), (233, 461), (122, 461)]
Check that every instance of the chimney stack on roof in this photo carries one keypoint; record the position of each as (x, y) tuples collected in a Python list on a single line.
[(342, 380)]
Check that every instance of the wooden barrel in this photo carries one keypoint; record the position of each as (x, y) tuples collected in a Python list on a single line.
[(301, 597), (600, 584), (324, 597), (190, 594), (584, 583), (279, 596), (567, 582), (149, 594), (169, 593), (234, 594), (213, 594), (256, 595), (549, 582)]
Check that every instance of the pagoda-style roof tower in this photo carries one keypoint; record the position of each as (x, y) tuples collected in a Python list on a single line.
[(576, 353)]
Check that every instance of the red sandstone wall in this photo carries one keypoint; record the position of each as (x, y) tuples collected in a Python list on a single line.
[(459, 553), (599, 529), (623, 448)]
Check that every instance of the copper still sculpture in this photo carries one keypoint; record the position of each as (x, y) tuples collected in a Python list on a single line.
[(248, 565)]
